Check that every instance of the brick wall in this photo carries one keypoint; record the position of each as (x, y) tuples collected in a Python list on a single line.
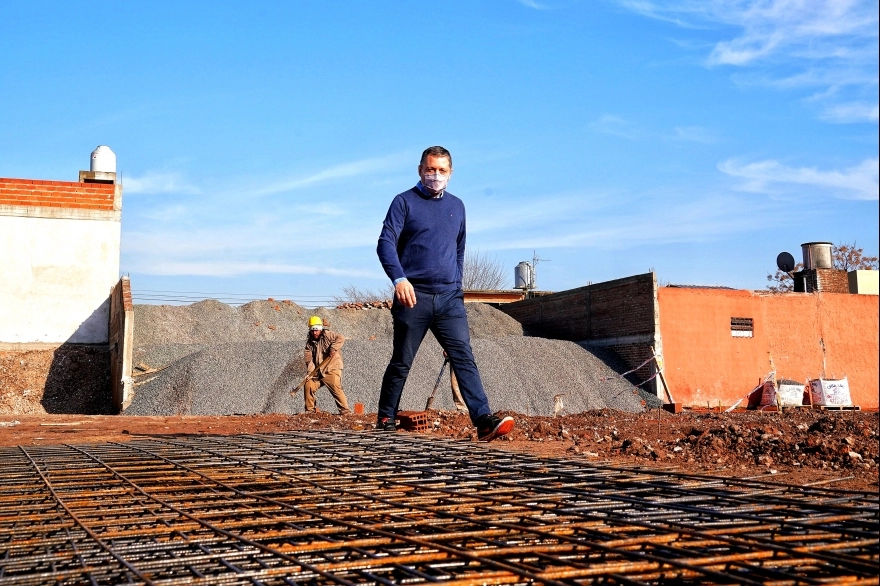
[(824, 280), (562, 315), (632, 355), (623, 307), (618, 315), (121, 342), (57, 194)]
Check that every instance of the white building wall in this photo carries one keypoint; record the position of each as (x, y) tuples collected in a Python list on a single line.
[(56, 277)]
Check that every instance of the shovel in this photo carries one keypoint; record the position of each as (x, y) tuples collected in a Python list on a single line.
[(310, 375), (430, 402)]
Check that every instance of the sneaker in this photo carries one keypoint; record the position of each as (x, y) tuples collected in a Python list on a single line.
[(490, 427), (386, 424)]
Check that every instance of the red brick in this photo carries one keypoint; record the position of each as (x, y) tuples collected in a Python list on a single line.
[(63, 194)]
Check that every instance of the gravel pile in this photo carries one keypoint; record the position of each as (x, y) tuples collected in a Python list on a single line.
[(210, 322), (223, 360)]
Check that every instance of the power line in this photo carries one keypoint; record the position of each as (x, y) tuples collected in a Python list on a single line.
[(249, 295), (160, 297)]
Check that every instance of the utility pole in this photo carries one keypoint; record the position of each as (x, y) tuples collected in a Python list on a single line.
[(535, 261)]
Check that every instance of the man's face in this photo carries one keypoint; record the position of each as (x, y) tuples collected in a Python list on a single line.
[(316, 333), (433, 165)]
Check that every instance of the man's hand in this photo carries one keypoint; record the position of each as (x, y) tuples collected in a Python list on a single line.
[(405, 293), (332, 353)]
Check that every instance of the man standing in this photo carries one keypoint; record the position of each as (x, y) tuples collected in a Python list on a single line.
[(323, 344), (421, 248)]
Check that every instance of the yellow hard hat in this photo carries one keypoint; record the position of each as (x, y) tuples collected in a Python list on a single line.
[(316, 323)]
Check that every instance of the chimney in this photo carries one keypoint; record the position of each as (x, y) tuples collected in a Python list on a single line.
[(102, 168)]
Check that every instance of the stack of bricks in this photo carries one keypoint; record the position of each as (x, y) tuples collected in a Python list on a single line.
[(367, 305), (56, 194)]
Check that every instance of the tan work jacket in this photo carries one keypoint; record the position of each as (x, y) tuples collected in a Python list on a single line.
[(317, 350)]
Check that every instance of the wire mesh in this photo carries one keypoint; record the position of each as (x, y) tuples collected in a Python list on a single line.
[(371, 508)]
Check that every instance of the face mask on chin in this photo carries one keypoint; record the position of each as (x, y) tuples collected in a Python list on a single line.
[(435, 182)]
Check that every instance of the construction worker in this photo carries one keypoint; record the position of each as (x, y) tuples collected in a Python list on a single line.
[(321, 345)]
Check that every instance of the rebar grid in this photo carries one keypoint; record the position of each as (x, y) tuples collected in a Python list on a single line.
[(367, 508)]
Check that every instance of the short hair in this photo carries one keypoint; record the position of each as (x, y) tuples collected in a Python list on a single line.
[(435, 151)]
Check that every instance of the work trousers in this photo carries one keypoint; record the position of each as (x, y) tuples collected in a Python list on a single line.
[(445, 316), (333, 382)]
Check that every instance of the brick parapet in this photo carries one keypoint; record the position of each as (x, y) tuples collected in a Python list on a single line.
[(620, 315), (57, 194), (821, 280), (623, 307)]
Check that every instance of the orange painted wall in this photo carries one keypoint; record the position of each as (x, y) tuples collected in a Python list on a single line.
[(704, 363)]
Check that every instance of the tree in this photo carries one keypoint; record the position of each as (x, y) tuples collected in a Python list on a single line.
[(844, 257), (850, 257), (481, 273), (354, 294), (782, 282)]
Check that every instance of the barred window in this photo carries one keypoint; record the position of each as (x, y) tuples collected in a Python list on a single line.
[(741, 327)]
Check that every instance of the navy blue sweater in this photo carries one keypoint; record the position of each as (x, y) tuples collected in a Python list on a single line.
[(423, 240)]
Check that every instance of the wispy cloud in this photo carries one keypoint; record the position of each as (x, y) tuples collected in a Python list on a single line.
[(156, 182), (230, 231), (247, 236), (532, 4), (216, 268), (167, 213), (633, 221), (858, 182), (326, 209), (550, 210), (827, 43), (370, 166), (615, 126), (852, 112), (695, 134), (250, 246), (813, 29), (618, 219)]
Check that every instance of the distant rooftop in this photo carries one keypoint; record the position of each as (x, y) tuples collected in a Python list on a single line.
[(701, 287)]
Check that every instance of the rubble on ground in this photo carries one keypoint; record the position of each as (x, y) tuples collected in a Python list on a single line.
[(366, 305), (833, 448)]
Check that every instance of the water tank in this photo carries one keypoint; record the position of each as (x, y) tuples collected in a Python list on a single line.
[(817, 255), (523, 276), (103, 160)]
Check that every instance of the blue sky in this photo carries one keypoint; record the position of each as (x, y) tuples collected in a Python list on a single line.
[(260, 144)]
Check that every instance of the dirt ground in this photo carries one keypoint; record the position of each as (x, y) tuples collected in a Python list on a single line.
[(837, 449), (68, 379)]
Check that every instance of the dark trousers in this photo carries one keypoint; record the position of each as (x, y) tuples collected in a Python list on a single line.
[(444, 314)]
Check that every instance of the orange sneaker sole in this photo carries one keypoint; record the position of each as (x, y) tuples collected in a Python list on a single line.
[(506, 426)]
